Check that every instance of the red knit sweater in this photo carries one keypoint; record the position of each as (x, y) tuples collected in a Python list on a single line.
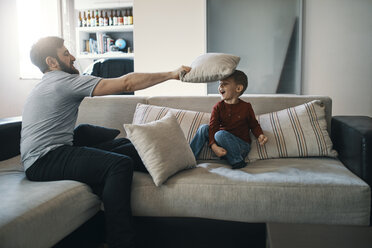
[(237, 119)]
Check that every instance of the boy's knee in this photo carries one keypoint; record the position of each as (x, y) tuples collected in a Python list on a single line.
[(219, 135)]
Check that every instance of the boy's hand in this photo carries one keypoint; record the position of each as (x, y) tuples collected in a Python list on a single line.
[(262, 139), (182, 70), (219, 151)]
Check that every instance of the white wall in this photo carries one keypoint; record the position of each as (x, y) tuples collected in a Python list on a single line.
[(338, 53), (13, 91), (169, 34)]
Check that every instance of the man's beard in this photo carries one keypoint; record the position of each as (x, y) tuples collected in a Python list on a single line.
[(69, 69)]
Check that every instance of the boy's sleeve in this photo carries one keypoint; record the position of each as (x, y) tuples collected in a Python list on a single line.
[(214, 123), (253, 123)]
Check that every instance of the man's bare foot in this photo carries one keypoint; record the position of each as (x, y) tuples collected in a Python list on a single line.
[(219, 151)]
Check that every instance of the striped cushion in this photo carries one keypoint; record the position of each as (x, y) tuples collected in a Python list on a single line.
[(188, 120), (299, 131)]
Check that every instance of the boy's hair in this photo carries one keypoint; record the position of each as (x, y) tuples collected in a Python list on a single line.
[(42, 49), (239, 77)]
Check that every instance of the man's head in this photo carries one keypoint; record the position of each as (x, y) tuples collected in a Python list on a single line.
[(234, 85), (50, 54)]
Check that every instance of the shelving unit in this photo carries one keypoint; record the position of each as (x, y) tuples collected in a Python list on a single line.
[(106, 55), (115, 32), (84, 33), (109, 29)]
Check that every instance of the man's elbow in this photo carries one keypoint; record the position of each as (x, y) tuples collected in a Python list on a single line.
[(128, 86)]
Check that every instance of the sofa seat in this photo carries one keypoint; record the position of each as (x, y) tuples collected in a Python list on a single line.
[(51, 209), (306, 190)]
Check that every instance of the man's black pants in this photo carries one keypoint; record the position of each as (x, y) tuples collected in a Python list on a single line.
[(108, 169)]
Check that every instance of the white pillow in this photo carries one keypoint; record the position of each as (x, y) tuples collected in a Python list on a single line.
[(210, 67), (187, 119), (300, 131), (162, 147)]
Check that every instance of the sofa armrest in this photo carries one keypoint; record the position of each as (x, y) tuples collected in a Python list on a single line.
[(352, 138), (10, 137)]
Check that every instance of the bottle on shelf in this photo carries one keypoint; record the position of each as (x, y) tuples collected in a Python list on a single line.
[(93, 19), (105, 20), (126, 17), (84, 21), (100, 19), (88, 20), (115, 19), (111, 20), (120, 18), (96, 18), (130, 17), (80, 20)]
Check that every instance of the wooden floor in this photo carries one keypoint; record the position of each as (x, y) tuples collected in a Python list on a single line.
[(184, 233), (174, 233), (319, 236)]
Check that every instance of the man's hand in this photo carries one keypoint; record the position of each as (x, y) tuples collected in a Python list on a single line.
[(262, 139), (176, 73)]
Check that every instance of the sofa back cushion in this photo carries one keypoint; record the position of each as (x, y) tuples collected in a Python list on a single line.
[(299, 131), (113, 111), (261, 104), (109, 111)]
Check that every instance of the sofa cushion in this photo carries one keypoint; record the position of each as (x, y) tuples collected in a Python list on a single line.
[(11, 165), (210, 67), (299, 131), (109, 111), (261, 104), (39, 214), (188, 120), (162, 147), (292, 190)]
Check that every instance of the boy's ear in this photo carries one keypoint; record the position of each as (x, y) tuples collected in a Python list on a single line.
[(51, 62), (239, 88)]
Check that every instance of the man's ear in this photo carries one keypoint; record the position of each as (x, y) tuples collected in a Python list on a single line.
[(51, 62)]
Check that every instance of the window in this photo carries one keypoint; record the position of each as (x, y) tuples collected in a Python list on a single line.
[(36, 19)]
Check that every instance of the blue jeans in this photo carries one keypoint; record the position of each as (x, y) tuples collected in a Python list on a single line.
[(237, 149)]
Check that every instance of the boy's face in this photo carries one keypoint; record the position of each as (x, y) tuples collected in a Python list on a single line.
[(229, 90)]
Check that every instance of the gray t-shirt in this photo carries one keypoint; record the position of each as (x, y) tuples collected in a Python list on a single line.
[(50, 113)]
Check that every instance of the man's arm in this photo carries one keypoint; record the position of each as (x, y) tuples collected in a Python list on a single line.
[(135, 81)]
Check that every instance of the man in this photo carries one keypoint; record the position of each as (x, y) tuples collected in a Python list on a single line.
[(49, 118)]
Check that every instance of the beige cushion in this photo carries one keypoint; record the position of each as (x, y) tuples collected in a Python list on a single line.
[(188, 120), (211, 67), (162, 147), (299, 131)]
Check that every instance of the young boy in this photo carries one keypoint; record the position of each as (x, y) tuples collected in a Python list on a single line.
[(230, 123)]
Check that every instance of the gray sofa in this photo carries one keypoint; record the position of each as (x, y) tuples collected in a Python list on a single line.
[(291, 190)]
